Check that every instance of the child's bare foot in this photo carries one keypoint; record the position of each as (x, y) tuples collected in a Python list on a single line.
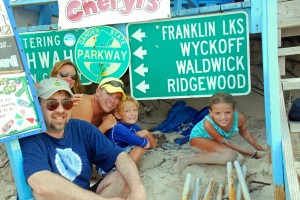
[(179, 166)]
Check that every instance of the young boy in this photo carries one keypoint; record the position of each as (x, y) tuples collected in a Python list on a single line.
[(127, 134)]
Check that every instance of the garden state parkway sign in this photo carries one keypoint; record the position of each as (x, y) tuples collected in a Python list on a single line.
[(102, 51)]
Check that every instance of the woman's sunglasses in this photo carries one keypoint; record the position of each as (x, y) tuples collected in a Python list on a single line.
[(53, 104), (66, 74), (115, 84)]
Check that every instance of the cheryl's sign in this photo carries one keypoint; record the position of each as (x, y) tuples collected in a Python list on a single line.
[(84, 13)]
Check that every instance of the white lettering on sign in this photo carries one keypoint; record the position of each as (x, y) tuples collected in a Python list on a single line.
[(88, 34), (206, 83), (47, 58), (2, 45), (233, 26), (208, 52), (219, 64), (194, 30), (207, 47), (9, 62), (37, 42), (102, 54), (117, 34), (44, 76)]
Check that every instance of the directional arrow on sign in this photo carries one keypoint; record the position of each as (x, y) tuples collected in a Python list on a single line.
[(141, 70), (139, 35), (143, 86), (140, 52)]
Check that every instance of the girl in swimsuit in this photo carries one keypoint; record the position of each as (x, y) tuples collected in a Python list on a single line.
[(212, 135)]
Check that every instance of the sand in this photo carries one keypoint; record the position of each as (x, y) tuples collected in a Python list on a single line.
[(161, 183), (157, 164)]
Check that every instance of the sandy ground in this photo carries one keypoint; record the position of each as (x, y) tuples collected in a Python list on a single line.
[(7, 186), (161, 183), (156, 165)]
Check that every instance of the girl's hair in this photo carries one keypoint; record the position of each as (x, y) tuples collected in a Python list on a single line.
[(128, 98), (78, 88), (222, 98)]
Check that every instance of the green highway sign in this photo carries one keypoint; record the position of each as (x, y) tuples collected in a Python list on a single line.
[(190, 57), (44, 49), (102, 52)]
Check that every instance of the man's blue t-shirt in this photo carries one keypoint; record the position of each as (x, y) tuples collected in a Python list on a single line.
[(72, 156), (124, 135)]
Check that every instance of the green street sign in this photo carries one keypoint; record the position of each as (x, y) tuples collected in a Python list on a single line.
[(102, 52), (190, 57), (44, 49)]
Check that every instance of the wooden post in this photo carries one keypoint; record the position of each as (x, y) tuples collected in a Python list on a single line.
[(209, 189), (238, 188), (242, 181), (230, 182), (186, 187), (220, 192), (195, 195)]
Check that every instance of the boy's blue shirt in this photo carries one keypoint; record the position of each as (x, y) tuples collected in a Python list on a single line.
[(124, 135)]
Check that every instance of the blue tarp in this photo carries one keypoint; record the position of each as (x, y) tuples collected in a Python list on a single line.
[(182, 118)]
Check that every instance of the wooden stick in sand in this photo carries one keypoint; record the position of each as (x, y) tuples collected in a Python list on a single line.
[(186, 187), (209, 189), (238, 188), (242, 181), (230, 182), (196, 191), (220, 192)]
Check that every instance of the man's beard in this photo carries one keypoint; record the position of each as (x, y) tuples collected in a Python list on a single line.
[(58, 127)]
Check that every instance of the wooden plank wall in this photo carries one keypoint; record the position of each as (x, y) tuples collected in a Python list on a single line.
[(288, 25)]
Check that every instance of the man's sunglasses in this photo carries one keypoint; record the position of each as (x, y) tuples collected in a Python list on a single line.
[(53, 104), (115, 84), (66, 74)]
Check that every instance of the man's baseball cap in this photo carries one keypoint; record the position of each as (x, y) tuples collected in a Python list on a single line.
[(113, 85), (47, 87)]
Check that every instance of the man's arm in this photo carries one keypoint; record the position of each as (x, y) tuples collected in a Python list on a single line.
[(129, 171), (108, 121), (47, 185), (84, 109)]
